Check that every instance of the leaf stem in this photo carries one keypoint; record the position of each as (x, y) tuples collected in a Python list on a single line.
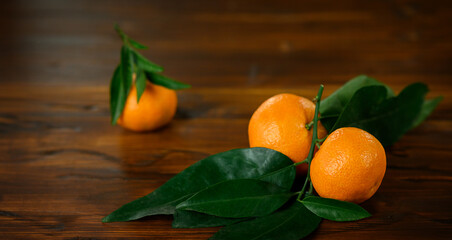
[(310, 187), (313, 144), (121, 34), (317, 144), (299, 163), (316, 119), (301, 193)]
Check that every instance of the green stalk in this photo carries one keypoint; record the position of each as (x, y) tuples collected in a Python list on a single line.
[(121, 34), (299, 163), (313, 144)]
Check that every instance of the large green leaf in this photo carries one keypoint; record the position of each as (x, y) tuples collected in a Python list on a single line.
[(117, 95), (282, 177), (427, 108), (190, 219), (363, 105), (145, 64), (385, 118), (233, 164), (335, 210), (166, 81), (292, 223), (332, 106), (238, 198)]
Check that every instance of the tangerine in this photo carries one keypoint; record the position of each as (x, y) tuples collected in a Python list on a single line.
[(279, 123), (155, 109), (349, 166)]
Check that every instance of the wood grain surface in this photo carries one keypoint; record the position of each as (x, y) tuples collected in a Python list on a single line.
[(63, 166)]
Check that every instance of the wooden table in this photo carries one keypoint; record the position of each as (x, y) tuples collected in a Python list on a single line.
[(63, 166)]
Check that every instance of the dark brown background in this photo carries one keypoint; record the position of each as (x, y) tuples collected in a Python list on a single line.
[(63, 166)]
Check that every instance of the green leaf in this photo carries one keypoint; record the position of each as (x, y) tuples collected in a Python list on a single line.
[(126, 68), (233, 164), (238, 198), (385, 118), (118, 95), (191, 219), (332, 106), (165, 81), (128, 59), (127, 40), (427, 108), (365, 100), (294, 222), (136, 44), (145, 64), (335, 210), (120, 32), (282, 177), (140, 84)]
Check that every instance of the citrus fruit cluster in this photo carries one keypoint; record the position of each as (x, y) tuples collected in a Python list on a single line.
[(349, 165)]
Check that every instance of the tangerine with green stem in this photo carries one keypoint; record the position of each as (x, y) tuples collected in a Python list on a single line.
[(141, 99), (280, 123)]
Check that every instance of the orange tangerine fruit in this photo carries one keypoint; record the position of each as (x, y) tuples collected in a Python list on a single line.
[(280, 124), (349, 166), (155, 109)]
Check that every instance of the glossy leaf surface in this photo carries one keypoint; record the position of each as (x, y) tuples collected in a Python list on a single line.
[(192, 219), (145, 64), (166, 81), (294, 222), (233, 164), (335, 210), (332, 106), (385, 118), (238, 198)]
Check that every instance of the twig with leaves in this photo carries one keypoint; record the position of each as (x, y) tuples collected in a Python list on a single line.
[(132, 64)]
